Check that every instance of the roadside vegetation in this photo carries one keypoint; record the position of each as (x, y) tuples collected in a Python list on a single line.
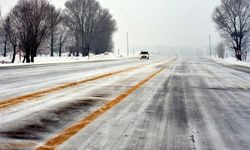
[(232, 19), (34, 27)]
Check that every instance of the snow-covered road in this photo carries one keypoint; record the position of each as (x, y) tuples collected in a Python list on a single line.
[(162, 103)]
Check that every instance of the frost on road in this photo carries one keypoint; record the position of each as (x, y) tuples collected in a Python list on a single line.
[(194, 103)]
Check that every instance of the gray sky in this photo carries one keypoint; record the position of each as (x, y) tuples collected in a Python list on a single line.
[(157, 23)]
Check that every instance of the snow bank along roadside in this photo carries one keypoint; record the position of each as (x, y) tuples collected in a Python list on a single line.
[(64, 59), (231, 61)]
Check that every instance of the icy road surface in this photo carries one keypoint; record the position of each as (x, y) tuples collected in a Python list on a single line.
[(161, 103)]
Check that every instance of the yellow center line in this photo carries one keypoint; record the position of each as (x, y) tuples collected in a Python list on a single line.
[(38, 94), (31, 96), (71, 131)]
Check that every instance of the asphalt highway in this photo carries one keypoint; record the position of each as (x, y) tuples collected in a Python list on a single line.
[(178, 103)]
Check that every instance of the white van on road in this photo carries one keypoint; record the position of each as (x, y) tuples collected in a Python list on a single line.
[(144, 55)]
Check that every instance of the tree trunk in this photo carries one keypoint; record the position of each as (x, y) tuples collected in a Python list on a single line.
[(238, 54), (32, 59), (82, 44), (70, 53), (240, 57), (24, 58), (27, 56), (5, 47), (52, 44), (77, 46), (246, 56), (14, 54), (83, 49), (77, 50), (32, 56), (60, 49), (88, 50)]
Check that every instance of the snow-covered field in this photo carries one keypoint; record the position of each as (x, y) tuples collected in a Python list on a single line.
[(43, 59)]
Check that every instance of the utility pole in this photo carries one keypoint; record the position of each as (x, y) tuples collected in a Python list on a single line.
[(127, 46), (210, 46)]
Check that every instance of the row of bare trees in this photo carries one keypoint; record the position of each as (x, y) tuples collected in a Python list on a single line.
[(34, 25), (232, 18)]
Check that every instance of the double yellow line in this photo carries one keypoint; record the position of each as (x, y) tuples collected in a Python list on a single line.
[(74, 129), (31, 96)]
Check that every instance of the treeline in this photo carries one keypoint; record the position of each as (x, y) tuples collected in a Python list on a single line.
[(33, 26)]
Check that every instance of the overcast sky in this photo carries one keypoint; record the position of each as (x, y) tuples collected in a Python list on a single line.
[(157, 23)]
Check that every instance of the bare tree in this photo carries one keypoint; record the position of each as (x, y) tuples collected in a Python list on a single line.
[(74, 19), (220, 50), (106, 26), (93, 15), (81, 18), (71, 45), (53, 20), (5, 37), (30, 19), (63, 36), (232, 18), (11, 34)]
